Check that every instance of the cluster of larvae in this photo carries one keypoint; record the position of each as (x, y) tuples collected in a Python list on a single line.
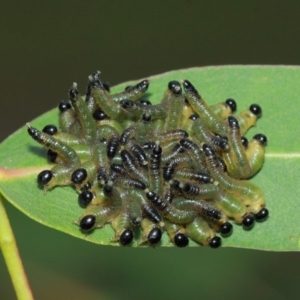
[(180, 166)]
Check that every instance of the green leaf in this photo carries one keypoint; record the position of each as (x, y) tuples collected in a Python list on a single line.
[(276, 89)]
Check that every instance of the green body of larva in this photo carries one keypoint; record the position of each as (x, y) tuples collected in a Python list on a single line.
[(199, 231), (178, 167), (214, 123)]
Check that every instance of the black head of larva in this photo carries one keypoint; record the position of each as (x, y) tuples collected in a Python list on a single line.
[(143, 102), (256, 110), (44, 177), (94, 80), (157, 150), (248, 222), (194, 117), (245, 141), (64, 106), (150, 195), (34, 133), (261, 138), (181, 240), (154, 236), (215, 242), (99, 115), (188, 86), (79, 175), (175, 87), (126, 103), (208, 150), (87, 222), (143, 85), (232, 104), (51, 155), (106, 86), (226, 229), (85, 198), (126, 237), (233, 122), (50, 129), (262, 215), (73, 92), (146, 117)]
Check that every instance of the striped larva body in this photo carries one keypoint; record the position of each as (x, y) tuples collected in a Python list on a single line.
[(214, 123), (151, 232), (224, 109), (175, 106), (180, 166), (199, 231), (248, 118), (132, 93), (251, 194)]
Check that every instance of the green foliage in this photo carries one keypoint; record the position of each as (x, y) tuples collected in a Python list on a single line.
[(276, 89)]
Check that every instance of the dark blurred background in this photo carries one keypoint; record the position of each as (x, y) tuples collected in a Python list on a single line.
[(46, 45)]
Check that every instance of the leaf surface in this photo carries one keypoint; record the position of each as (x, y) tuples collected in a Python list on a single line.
[(275, 88)]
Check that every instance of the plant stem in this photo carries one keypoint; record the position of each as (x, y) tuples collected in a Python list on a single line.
[(11, 256)]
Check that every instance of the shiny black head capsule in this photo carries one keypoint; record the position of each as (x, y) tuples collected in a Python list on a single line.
[(256, 110), (232, 104), (261, 138), (126, 103), (157, 150), (244, 141), (126, 237), (143, 85), (44, 177), (188, 86), (262, 215), (34, 133), (73, 92), (154, 236), (215, 242), (50, 129), (194, 117), (208, 150), (94, 81), (64, 106), (226, 229), (233, 122), (79, 175), (51, 155), (175, 87), (87, 222), (146, 117), (150, 195), (181, 240), (143, 102), (248, 222), (99, 115), (85, 198)]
